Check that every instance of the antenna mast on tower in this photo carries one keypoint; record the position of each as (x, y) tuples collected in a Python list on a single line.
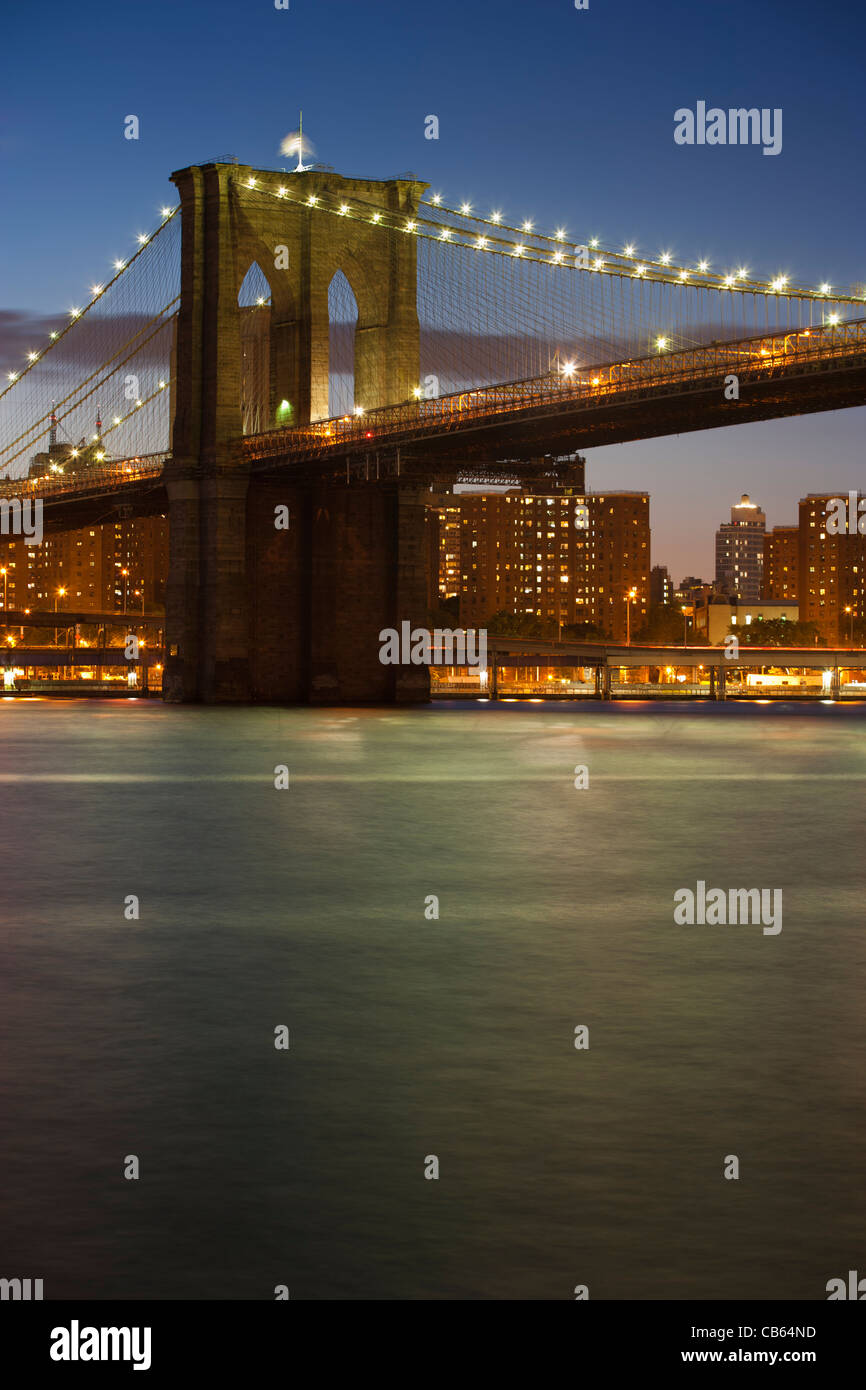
[(300, 167)]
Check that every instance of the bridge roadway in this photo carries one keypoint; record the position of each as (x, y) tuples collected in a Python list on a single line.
[(671, 393), (531, 651), (77, 656), (21, 617), (114, 491)]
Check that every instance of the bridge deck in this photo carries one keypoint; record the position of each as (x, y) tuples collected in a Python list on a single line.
[(793, 373)]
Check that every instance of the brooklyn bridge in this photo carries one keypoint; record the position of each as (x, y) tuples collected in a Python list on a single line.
[(289, 362)]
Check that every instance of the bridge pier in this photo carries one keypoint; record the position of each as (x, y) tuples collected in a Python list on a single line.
[(207, 637), (180, 674), (367, 573), (292, 613)]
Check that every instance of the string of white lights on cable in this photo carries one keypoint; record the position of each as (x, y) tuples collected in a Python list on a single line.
[(96, 291), (547, 248), (116, 363)]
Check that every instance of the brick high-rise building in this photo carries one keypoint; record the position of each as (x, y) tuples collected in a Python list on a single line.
[(561, 556), (449, 546), (831, 570), (740, 551), (116, 567), (782, 563)]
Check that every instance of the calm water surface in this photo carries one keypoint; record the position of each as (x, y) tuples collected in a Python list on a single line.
[(412, 1037)]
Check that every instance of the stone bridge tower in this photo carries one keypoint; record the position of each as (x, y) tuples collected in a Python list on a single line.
[(221, 631)]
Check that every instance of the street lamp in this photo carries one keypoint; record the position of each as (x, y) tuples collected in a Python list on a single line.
[(125, 574), (629, 600), (848, 609), (685, 625), (61, 593)]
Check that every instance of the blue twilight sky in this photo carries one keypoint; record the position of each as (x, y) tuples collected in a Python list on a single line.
[(545, 111)]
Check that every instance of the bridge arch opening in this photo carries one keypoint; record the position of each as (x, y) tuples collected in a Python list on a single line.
[(254, 306), (342, 327)]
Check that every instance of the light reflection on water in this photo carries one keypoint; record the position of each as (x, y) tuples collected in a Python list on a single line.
[(412, 1037)]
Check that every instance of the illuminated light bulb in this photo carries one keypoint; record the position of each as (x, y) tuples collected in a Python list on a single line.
[(13, 376), (598, 263), (465, 208), (496, 217), (703, 265), (665, 257), (100, 455), (166, 212), (260, 300), (75, 453), (519, 250), (527, 226), (641, 270), (741, 273), (437, 199), (96, 289), (481, 242), (568, 368), (661, 343), (117, 419), (141, 239), (825, 288), (410, 227), (445, 234), (52, 336), (251, 183), (118, 265), (377, 217), (33, 356), (776, 284), (629, 251), (560, 234), (417, 392), (833, 319), (344, 208), (684, 274), (162, 386), (359, 410), (557, 258), (281, 192), (74, 313), (593, 241), (138, 404), (312, 200), (729, 280)]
